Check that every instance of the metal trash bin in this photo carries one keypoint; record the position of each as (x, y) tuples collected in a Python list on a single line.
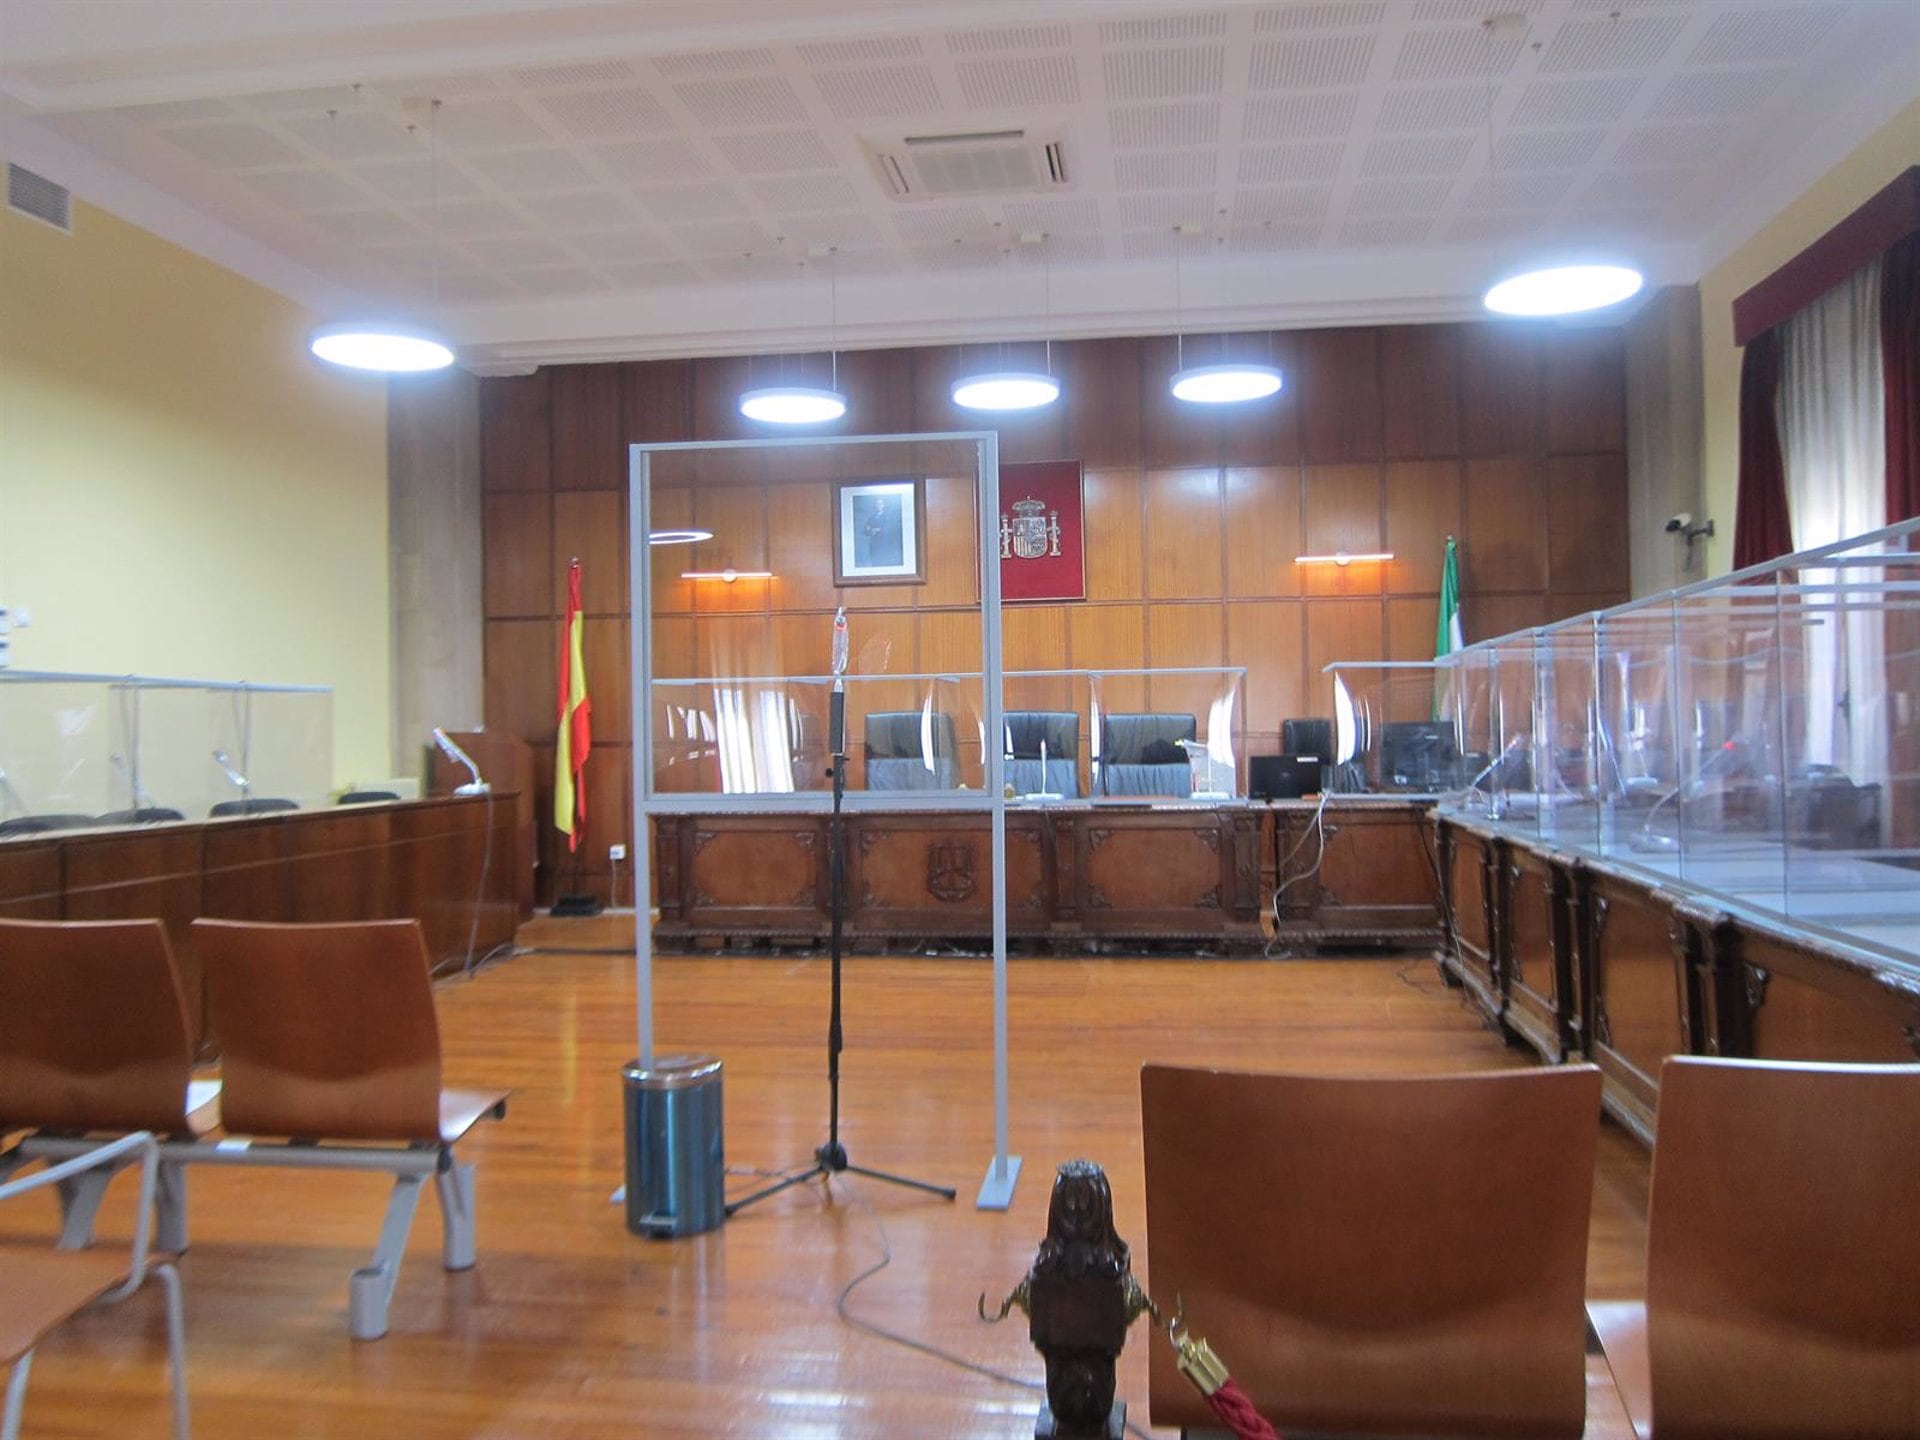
[(676, 1160)]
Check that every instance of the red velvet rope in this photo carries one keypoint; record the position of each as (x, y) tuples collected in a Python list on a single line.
[(1236, 1411)]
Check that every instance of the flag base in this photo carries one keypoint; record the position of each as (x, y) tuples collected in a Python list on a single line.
[(575, 907)]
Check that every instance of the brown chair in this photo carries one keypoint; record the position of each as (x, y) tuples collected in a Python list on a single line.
[(44, 1288), (1783, 1257), (1390, 1255), (329, 1039)]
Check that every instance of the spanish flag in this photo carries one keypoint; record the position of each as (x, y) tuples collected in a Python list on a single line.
[(575, 739)]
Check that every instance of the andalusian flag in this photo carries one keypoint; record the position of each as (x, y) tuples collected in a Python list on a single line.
[(1447, 635), (576, 722)]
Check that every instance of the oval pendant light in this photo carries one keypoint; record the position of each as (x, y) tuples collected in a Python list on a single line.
[(793, 405), (395, 349), (1564, 290), (1225, 384), (1005, 390)]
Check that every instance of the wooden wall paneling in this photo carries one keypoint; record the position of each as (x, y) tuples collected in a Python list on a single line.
[(609, 811), (673, 647), (717, 383), (658, 402), (949, 644), (800, 544), (1503, 546), (1342, 630), (517, 553), (516, 432), (1263, 531), (522, 671), (883, 643), (1482, 617), (1269, 638), (1587, 541), (1410, 629), (882, 381), (1500, 389), (1185, 534), (589, 428), (1585, 377), (737, 516), (1173, 433), (803, 643), (1420, 390), (1100, 383), (1111, 637), (953, 545), (672, 510), (1265, 432), (1115, 544), (591, 525), (1341, 415), (732, 645), (1034, 637), (1185, 635), (1341, 511), (609, 664), (1423, 507)]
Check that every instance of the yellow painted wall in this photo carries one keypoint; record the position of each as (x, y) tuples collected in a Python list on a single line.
[(1839, 192), (183, 489)]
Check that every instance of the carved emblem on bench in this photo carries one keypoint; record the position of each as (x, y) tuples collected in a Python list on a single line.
[(950, 874)]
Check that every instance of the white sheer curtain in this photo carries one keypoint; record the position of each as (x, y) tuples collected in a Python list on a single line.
[(1832, 435)]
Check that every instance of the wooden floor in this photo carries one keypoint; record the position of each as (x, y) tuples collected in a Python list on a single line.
[(571, 1327)]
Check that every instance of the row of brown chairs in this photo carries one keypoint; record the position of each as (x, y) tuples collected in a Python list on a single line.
[(1407, 1256), (330, 1060)]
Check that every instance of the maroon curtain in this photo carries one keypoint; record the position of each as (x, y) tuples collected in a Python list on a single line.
[(1761, 530), (1900, 359)]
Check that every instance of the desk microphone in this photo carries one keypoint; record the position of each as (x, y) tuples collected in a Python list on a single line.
[(234, 777), (453, 752), (1723, 761), (1492, 765)]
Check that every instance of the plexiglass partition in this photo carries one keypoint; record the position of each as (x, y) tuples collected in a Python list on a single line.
[(128, 748), (1392, 732), (1756, 738)]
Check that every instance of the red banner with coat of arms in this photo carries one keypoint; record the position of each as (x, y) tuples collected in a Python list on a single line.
[(1041, 555)]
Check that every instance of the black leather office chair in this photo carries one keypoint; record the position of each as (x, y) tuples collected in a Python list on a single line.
[(367, 797), (1142, 755), (1059, 732), (253, 805), (42, 824), (910, 750), (145, 815)]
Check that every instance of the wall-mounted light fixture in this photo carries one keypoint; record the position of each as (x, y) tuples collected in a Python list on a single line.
[(1343, 557), (678, 537), (726, 576)]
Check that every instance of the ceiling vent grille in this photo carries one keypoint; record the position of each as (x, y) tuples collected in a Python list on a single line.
[(978, 162), (39, 197)]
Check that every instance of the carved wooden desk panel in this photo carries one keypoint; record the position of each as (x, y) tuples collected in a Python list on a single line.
[(1375, 880)]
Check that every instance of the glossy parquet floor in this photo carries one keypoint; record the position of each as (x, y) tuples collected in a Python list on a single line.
[(571, 1327)]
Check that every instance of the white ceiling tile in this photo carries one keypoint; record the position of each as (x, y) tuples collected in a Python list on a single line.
[(1598, 101), (476, 289), (674, 203), (954, 257), (1165, 127), (1314, 63), (1624, 44), (861, 52), (1457, 54), (368, 227), (883, 90), (621, 247), (488, 124), (1314, 115), (1749, 35), (742, 104), (1547, 149), (1083, 249), (522, 171), (1398, 197), (359, 136), (938, 224), (1278, 164), (1164, 74), (871, 262), (1051, 217), (413, 180), (1472, 12), (1164, 245), (1417, 155), (588, 72), (649, 162), (413, 92), (650, 275), (1352, 15), (177, 112), (1635, 188), (1277, 235), (292, 102), (508, 252), (607, 114), (1012, 82), (1159, 30), (599, 209), (1483, 226), (1671, 145), (1165, 170), (1012, 37), (226, 146), (1640, 224), (722, 236), (1402, 231), (1282, 203), (843, 231), (1698, 93), (556, 279), (800, 196), (774, 152), (1191, 207), (1518, 192), (306, 189), (713, 62), (1436, 107), (459, 219)]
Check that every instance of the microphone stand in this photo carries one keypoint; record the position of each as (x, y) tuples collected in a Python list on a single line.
[(830, 1159)]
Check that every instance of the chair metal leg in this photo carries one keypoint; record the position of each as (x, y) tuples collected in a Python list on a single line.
[(16, 1396), (80, 1200), (455, 1184), (176, 1345), (371, 1289), (170, 1209)]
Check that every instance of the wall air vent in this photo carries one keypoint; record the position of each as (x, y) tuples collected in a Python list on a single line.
[(39, 197), (974, 162)]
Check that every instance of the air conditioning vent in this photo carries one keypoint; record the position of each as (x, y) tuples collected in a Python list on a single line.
[(39, 197), (976, 162)]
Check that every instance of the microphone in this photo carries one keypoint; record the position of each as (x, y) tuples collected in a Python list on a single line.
[(453, 752), (1728, 758), (837, 699), (234, 777), (1492, 765), (142, 797)]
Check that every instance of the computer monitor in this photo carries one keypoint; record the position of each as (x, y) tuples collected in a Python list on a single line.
[(1308, 737), (1416, 755), (1282, 777)]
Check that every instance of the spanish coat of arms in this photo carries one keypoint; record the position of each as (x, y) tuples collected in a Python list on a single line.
[(1033, 533)]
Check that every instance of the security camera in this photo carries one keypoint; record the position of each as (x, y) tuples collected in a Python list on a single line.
[(1677, 524)]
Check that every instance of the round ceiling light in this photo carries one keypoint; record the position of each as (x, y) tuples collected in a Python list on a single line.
[(1225, 384), (678, 537), (793, 405), (1005, 390), (1564, 290), (391, 349)]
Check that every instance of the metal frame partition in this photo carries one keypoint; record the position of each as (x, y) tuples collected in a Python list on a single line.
[(1003, 1170)]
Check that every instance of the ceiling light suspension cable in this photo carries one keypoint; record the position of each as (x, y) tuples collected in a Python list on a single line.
[(805, 404), (1226, 383), (1005, 389)]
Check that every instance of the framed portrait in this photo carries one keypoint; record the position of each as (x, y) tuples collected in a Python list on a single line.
[(880, 532)]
